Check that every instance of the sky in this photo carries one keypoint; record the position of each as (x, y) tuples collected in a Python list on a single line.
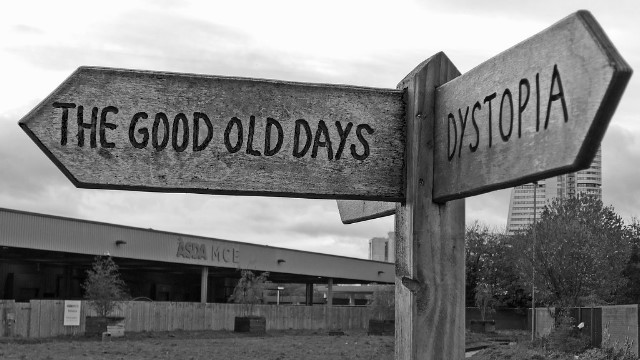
[(364, 43)]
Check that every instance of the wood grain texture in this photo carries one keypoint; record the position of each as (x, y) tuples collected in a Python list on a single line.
[(429, 236), (353, 211), (350, 140), (534, 111)]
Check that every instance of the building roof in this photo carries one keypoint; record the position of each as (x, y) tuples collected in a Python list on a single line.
[(20, 229)]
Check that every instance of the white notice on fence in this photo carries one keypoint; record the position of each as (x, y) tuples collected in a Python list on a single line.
[(72, 312)]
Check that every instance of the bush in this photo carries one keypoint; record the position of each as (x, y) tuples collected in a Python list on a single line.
[(382, 302), (519, 353), (610, 350), (249, 290), (607, 354), (566, 337), (103, 287)]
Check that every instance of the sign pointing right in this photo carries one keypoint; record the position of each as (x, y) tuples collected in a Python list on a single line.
[(534, 111), (537, 110)]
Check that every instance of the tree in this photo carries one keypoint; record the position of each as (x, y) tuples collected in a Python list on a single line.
[(382, 303), (630, 292), (249, 290), (490, 267), (485, 300), (103, 286), (581, 248), (475, 239)]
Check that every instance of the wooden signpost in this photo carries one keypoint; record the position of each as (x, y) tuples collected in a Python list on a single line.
[(538, 109)]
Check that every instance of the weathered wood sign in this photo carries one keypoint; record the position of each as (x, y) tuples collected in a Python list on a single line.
[(353, 211), (534, 111), (153, 131)]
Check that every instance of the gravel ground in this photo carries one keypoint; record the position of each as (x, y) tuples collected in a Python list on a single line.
[(275, 345)]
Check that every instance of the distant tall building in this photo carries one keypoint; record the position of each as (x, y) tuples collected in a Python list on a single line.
[(521, 205), (383, 249)]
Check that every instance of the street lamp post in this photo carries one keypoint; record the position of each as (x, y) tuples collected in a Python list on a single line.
[(278, 294)]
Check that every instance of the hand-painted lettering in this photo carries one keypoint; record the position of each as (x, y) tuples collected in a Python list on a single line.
[(326, 143), (505, 137), (64, 120), (522, 105), (506, 114), (142, 131), (537, 102), (268, 150), (104, 125), (180, 121), (227, 133), (488, 99), (160, 118), (363, 141), (197, 145), (89, 126), (463, 125), (555, 79), (476, 106), (343, 134), (301, 124), (451, 120), (252, 129), (179, 132)]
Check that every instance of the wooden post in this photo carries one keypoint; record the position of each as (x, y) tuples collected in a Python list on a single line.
[(430, 237), (330, 292), (204, 281)]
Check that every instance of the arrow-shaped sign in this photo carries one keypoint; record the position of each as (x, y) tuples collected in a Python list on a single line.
[(537, 110), (534, 111), (153, 131)]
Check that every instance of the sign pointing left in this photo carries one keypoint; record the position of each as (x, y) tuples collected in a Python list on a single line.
[(156, 131)]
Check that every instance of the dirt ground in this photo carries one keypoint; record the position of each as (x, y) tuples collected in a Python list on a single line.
[(275, 345)]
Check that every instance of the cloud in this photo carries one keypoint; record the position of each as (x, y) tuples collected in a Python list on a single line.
[(27, 29), (620, 173), (29, 180), (490, 209)]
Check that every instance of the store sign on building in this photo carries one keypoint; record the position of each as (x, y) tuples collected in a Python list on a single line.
[(227, 254)]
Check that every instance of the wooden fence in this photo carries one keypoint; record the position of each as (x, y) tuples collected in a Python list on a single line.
[(44, 318), (617, 325)]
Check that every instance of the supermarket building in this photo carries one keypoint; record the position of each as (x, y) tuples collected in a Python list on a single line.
[(46, 257)]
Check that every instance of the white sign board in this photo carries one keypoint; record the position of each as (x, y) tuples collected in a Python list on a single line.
[(72, 312)]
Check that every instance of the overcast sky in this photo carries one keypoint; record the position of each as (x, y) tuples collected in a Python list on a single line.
[(367, 43)]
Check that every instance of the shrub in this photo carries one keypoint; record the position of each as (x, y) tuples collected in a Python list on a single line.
[(611, 350), (485, 300), (566, 337), (103, 286), (249, 290), (607, 354), (519, 353), (383, 302)]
